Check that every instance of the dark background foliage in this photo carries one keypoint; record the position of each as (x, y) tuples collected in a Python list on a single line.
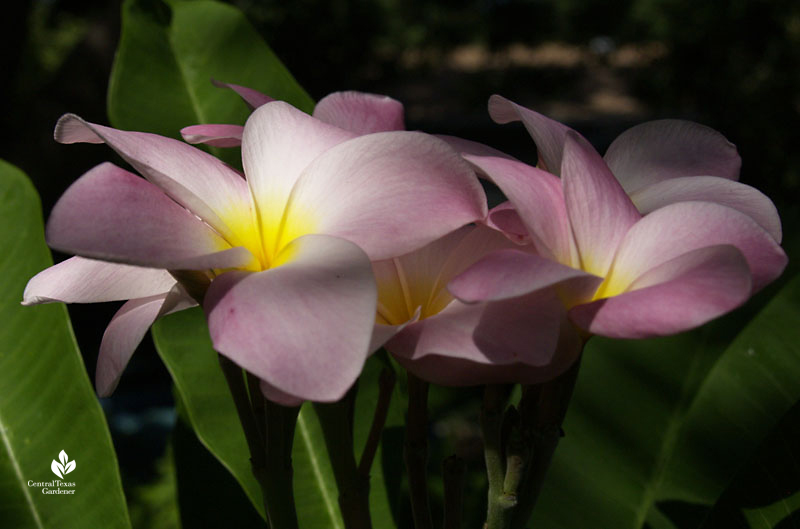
[(600, 66)]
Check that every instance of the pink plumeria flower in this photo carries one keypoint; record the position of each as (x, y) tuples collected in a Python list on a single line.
[(443, 340), (358, 112), (281, 260), (657, 163), (621, 274)]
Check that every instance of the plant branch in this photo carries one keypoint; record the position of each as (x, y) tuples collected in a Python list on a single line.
[(337, 427), (415, 451), (385, 387), (542, 411), (500, 504)]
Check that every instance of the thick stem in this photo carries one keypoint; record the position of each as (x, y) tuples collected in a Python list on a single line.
[(337, 427), (270, 444), (542, 410), (385, 387), (415, 451), (453, 476), (500, 504), (275, 477)]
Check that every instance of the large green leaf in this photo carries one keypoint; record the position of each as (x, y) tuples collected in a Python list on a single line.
[(167, 56), (184, 345), (661, 426), (46, 401)]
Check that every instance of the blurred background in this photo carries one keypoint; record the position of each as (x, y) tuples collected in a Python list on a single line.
[(599, 66)]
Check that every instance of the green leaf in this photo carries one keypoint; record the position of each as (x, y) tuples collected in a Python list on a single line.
[(658, 428), (167, 56), (766, 491), (184, 345), (47, 403)]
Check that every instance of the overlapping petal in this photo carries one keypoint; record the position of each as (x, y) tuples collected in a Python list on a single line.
[(214, 135), (80, 280), (195, 179), (744, 198), (513, 340), (683, 227), (114, 215), (600, 212), (360, 112), (680, 294), (538, 199), (670, 148), (253, 98), (548, 134), (263, 321), (369, 190), (126, 331)]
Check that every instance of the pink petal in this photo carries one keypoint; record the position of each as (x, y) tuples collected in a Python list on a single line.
[(680, 228), (600, 212), (195, 179), (473, 148), (126, 331), (79, 280), (505, 218), (304, 327), (360, 112), (744, 198), (114, 215), (389, 192), (510, 273), (278, 396), (670, 148), (215, 135), (278, 143), (414, 285), (518, 340), (549, 135), (253, 98), (538, 198), (678, 295)]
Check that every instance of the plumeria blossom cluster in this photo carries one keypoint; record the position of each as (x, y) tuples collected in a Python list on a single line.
[(346, 233)]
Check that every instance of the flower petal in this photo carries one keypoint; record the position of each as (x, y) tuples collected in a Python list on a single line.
[(388, 192), (278, 143), (79, 280), (505, 219), (126, 331), (195, 179), (304, 327), (473, 148), (215, 135), (600, 212), (114, 215), (680, 228), (360, 112), (549, 135), (510, 273), (670, 148), (678, 295), (253, 98), (516, 340), (744, 198), (538, 198)]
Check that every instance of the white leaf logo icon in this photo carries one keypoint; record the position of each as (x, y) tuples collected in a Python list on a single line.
[(65, 467), (57, 469)]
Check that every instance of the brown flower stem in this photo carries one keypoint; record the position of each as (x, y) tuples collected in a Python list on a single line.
[(270, 445), (336, 420), (385, 387), (453, 476), (500, 503), (415, 452), (542, 411)]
